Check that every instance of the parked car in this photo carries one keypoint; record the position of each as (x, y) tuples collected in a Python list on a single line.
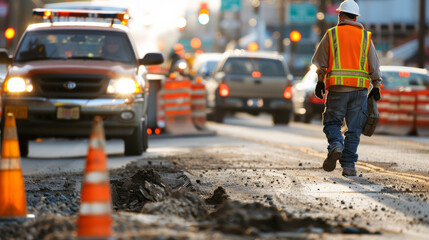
[(62, 75), (305, 104), (396, 77), (251, 82), (205, 64)]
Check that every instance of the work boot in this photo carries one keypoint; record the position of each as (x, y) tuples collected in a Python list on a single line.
[(331, 161), (348, 172)]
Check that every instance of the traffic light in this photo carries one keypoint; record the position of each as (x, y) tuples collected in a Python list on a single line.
[(203, 15), (9, 34), (295, 36)]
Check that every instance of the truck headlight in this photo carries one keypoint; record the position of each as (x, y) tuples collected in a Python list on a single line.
[(123, 86), (18, 85)]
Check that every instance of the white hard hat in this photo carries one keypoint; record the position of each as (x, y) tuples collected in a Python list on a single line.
[(349, 6)]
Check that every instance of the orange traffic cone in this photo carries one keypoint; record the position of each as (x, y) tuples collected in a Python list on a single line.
[(95, 220), (12, 192)]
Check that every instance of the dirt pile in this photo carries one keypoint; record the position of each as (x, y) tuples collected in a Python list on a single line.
[(131, 194), (255, 218), (219, 196), (183, 204), (42, 228)]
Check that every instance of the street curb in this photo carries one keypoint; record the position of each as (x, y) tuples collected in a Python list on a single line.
[(203, 133)]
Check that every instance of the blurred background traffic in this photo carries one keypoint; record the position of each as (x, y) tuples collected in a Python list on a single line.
[(193, 35), (291, 27)]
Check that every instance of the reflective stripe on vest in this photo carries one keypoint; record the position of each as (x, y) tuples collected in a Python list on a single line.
[(356, 77)]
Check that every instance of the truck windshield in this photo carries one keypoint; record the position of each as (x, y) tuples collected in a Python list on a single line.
[(75, 44)]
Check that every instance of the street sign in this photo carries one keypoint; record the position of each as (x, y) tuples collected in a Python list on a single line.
[(4, 9), (302, 12), (230, 5)]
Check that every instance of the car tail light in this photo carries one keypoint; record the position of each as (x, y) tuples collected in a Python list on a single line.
[(256, 74), (288, 92), (404, 74), (223, 90)]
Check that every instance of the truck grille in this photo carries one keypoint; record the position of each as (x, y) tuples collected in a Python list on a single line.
[(70, 85)]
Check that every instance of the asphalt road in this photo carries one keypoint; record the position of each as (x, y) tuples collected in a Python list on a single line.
[(281, 166)]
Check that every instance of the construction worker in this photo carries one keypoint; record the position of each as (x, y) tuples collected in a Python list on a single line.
[(347, 65)]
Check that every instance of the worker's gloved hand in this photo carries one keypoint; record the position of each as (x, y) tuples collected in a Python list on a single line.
[(375, 92), (319, 90)]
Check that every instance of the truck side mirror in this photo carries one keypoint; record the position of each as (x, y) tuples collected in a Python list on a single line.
[(151, 59), (4, 56)]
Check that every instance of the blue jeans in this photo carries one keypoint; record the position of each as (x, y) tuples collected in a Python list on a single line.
[(352, 107)]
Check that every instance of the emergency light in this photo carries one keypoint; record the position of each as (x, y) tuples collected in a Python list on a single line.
[(51, 13)]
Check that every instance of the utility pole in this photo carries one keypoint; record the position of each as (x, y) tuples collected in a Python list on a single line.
[(422, 32), (322, 22), (282, 20)]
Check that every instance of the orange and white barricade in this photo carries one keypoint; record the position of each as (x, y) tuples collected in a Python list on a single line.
[(175, 102), (397, 112), (404, 123), (384, 108), (160, 114), (422, 113), (198, 98)]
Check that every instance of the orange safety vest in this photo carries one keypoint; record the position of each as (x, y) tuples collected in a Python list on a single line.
[(348, 57)]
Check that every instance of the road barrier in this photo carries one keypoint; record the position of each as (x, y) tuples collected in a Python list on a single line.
[(175, 107), (422, 113), (94, 218), (12, 192), (397, 112), (198, 99)]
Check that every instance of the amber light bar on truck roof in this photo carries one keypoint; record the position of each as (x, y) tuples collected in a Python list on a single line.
[(52, 13)]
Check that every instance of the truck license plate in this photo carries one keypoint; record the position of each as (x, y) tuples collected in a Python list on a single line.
[(20, 112), (68, 113), (255, 102)]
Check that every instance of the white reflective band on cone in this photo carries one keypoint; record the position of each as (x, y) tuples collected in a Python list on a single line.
[(10, 134), (96, 177), (10, 164), (95, 208), (96, 143)]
